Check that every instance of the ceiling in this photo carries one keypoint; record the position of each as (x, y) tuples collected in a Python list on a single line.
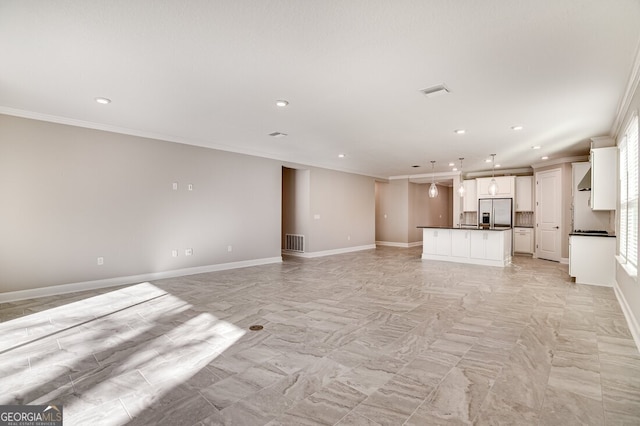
[(208, 73)]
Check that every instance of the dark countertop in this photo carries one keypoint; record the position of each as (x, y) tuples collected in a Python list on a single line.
[(523, 226), (464, 228), (587, 234)]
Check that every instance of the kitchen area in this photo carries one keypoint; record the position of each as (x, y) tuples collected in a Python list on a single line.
[(494, 226), (592, 242), (496, 221)]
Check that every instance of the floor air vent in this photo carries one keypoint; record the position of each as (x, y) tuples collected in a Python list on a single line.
[(294, 242)]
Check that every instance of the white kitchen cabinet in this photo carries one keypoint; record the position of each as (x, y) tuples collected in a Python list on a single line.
[(486, 245), (506, 187), (475, 246), (437, 242), (604, 178), (592, 259), (524, 194), (470, 199), (523, 240), (460, 243)]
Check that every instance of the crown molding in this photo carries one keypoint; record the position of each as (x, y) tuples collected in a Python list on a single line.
[(625, 102), (553, 162), (168, 138)]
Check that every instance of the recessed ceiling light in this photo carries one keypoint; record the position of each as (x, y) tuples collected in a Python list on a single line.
[(455, 169), (103, 101), (451, 164), (488, 160), (536, 147), (497, 165), (460, 131), (545, 158), (517, 127), (341, 155), (282, 103)]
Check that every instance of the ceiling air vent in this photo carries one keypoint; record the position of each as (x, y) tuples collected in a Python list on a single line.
[(433, 91), (277, 134)]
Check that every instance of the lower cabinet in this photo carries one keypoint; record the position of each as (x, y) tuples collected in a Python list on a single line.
[(486, 245), (592, 259), (437, 242), (479, 247), (460, 243), (523, 240)]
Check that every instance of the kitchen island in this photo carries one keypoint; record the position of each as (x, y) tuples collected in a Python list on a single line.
[(491, 247)]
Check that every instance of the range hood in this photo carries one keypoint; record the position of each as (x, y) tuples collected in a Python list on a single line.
[(585, 183)]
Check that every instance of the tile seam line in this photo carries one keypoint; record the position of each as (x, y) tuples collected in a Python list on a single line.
[(2, 352)]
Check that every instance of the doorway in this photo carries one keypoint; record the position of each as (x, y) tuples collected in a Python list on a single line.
[(549, 214)]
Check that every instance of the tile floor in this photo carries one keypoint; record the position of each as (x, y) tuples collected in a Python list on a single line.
[(377, 337)]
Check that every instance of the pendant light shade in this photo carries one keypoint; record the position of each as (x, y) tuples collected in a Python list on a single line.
[(493, 185), (461, 187), (433, 189)]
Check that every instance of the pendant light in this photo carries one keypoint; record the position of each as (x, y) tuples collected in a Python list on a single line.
[(433, 189), (493, 185), (461, 187)]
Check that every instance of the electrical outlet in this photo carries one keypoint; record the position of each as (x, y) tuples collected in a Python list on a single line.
[(190, 187), (348, 237), (175, 186), (174, 253), (100, 261), (229, 249), (188, 252)]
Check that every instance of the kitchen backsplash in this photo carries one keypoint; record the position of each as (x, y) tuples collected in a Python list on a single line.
[(469, 218), (524, 219)]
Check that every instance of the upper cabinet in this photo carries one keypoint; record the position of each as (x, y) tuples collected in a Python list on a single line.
[(506, 187), (470, 199), (604, 178), (524, 193)]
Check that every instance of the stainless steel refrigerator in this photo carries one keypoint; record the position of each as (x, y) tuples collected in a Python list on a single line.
[(495, 212)]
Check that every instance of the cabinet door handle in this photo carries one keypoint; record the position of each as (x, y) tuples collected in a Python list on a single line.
[(556, 227)]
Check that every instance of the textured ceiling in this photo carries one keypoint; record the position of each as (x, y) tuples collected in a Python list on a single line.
[(208, 73)]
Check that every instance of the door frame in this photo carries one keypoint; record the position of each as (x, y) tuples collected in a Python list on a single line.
[(558, 214)]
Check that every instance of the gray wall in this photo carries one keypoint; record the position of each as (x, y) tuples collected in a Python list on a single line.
[(71, 194), (392, 200), (342, 210), (407, 205)]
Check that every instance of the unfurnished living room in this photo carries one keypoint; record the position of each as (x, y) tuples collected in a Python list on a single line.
[(319, 213)]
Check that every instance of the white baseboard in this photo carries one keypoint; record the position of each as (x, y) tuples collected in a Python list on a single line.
[(632, 321), (13, 296), (309, 255), (564, 260), (403, 245)]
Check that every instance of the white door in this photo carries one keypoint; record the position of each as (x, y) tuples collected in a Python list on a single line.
[(548, 214)]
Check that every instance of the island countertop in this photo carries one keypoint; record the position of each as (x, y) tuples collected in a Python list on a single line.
[(464, 228)]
